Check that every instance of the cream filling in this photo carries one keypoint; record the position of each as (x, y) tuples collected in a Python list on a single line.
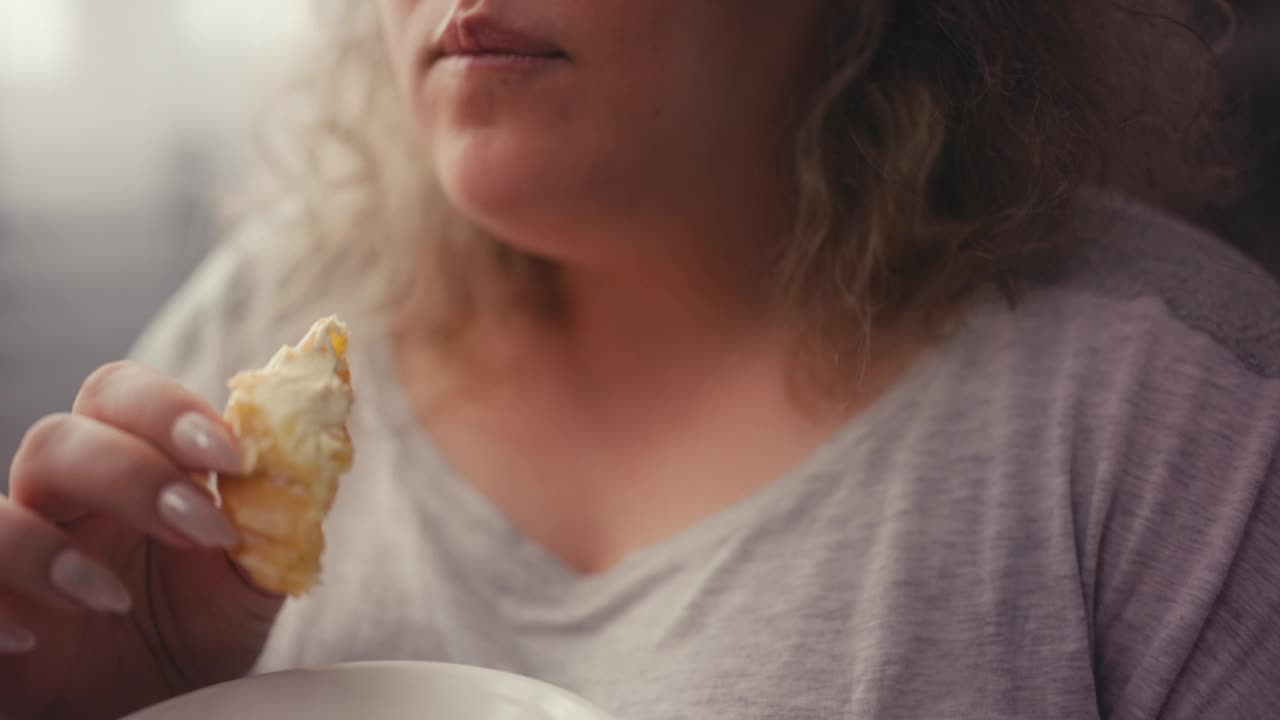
[(301, 397)]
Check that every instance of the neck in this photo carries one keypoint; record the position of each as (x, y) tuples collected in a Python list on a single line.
[(679, 289), (668, 319), (640, 334), (672, 313)]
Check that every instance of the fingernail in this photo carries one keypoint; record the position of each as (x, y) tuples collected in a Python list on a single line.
[(189, 511), (15, 639), (205, 444), (92, 585)]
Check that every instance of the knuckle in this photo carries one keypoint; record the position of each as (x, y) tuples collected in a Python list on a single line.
[(98, 381), (38, 446)]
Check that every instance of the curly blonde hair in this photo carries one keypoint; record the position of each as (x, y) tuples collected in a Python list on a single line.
[(946, 145)]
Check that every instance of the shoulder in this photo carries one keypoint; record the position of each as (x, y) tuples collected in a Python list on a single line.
[(1161, 348), (1158, 280), (1154, 355), (1164, 326), (1154, 352), (225, 317)]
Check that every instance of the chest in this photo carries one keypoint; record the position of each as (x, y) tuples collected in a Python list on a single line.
[(593, 484), (830, 599)]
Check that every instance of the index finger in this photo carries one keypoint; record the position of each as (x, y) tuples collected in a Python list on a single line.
[(156, 408)]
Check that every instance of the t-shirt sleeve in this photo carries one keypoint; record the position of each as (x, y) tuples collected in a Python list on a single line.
[(1186, 600), (1234, 666)]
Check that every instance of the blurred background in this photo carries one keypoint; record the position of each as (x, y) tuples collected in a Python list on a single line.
[(121, 121)]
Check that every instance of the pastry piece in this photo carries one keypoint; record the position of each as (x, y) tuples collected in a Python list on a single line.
[(290, 418)]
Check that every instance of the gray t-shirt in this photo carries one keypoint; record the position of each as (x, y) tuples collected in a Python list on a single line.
[(1069, 510)]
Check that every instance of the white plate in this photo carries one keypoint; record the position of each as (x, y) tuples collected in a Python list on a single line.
[(379, 691)]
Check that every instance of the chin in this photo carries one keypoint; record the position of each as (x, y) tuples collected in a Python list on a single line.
[(519, 194)]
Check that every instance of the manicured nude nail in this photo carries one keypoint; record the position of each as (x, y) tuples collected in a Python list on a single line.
[(86, 581), (205, 444), (189, 511), (15, 639)]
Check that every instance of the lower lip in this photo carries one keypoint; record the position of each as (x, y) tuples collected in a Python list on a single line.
[(499, 61)]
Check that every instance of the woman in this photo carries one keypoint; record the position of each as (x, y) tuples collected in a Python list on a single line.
[(689, 377)]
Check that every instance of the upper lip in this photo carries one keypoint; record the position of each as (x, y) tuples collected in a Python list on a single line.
[(478, 34)]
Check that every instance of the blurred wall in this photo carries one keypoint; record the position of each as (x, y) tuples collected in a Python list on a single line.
[(119, 121), (1254, 69)]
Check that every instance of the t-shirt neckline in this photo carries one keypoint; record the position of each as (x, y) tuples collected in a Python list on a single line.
[(512, 559)]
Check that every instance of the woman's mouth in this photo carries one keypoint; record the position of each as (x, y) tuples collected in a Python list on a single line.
[(482, 41)]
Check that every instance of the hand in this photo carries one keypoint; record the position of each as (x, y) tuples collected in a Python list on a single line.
[(115, 587)]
